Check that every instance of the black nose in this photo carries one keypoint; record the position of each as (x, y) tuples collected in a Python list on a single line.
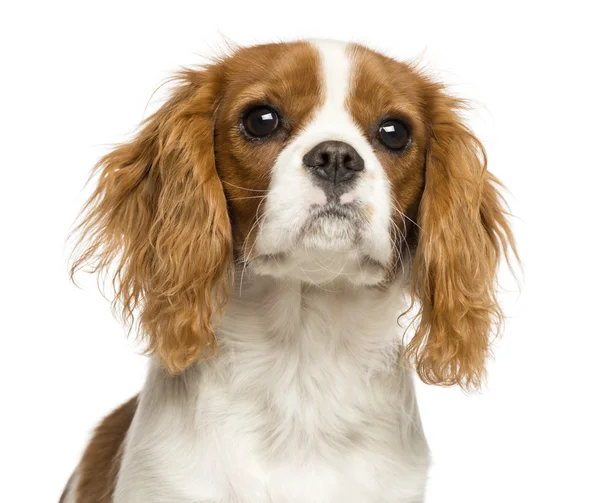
[(334, 161)]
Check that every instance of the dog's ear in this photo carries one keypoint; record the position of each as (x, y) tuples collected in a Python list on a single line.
[(157, 223), (464, 232)]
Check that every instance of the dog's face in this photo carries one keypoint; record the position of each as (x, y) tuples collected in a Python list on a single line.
[(313, 161), (321, 151)]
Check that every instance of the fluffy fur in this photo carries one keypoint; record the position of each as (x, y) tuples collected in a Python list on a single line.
[(274, 305), (159, 213)]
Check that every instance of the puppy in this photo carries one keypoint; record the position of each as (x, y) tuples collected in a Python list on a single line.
[(273, 231)]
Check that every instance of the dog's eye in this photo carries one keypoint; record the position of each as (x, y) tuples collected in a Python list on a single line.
[(260, 121), (394, 134)]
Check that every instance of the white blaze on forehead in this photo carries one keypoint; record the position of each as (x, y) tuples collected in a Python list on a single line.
[(333, 121), (335, 66)]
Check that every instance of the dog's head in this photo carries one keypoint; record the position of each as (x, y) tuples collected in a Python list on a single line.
[(318, 161)]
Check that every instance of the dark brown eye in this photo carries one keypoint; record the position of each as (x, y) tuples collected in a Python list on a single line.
[(260, 121), (394, 134)]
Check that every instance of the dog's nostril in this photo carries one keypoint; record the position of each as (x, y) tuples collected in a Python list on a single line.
[(334, 161)]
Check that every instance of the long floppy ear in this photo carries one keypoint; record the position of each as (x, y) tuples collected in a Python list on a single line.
[(158, 224), (464, 232)]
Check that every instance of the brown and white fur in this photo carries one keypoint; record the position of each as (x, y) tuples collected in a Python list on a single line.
[(273, 299)]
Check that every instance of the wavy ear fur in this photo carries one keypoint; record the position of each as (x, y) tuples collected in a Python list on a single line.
[(464, 232), (158, 224)]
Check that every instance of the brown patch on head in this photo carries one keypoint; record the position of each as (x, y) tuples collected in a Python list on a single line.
[(383, 88), (287, 78)]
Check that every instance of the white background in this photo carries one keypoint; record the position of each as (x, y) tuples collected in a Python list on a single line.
[(78, 77)]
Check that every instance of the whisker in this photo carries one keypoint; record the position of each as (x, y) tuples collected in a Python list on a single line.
[(398, 246), (244, 188), (245, 244), (404, 215)]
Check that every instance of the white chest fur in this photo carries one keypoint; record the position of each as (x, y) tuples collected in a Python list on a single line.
[(305, 403)]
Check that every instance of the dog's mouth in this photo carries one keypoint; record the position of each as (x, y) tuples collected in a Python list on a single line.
[(336, 210), (330, 245), (334, 227)]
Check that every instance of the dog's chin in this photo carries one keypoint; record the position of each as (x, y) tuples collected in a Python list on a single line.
[(329, 249), (321, 267)]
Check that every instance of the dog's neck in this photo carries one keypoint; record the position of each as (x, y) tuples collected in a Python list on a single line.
[(283, 332), (264, 312)]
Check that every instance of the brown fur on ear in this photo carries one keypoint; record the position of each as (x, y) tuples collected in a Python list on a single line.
[(464, 232), (159, 217)]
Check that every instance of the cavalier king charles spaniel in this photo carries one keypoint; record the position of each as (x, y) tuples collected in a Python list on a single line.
[(295, 230)]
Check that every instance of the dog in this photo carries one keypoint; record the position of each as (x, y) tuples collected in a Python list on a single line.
[(298, 228)]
